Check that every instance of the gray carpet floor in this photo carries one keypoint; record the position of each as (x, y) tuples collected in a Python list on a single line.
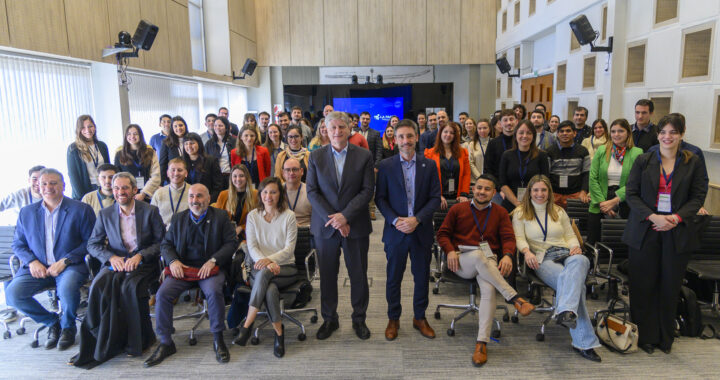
[(516, 355)]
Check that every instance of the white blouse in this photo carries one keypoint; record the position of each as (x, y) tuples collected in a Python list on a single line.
[(528, 233), (274, 240)]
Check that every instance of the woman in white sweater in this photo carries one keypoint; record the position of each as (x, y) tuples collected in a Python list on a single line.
[(476, 147), (271, 232), (544, 235)]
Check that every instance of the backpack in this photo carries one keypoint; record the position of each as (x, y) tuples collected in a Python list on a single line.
[(689, 316)]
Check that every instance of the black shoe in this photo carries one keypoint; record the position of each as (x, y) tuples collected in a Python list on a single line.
[(588, 354), (567, 318), (279, 348), (649, 348), (327, 329), (67, 339), (222, 355), (53, 336), (243, 336), (665, 350), (361, 330), (161, 352)]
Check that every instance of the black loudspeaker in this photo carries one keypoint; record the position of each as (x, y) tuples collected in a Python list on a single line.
[(583, 30), (503, 65), (144, 35), (249, 67)]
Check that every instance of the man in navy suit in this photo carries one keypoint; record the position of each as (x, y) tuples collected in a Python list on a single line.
[(407, 194), (51, 242), (340, 185)]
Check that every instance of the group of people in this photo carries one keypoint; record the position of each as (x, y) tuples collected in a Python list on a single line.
[(203, 197)]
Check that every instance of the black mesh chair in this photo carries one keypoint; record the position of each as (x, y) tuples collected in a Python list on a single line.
[(438, 219), (6, 239), (612, 253), (578, 211), (705, 262)]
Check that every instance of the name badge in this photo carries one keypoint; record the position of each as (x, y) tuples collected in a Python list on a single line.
[(485, 248), (664, 203), (521, 192), (563, 181), (451, 185), (140, 182)]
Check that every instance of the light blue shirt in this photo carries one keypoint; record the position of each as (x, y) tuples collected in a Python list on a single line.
[(339, 161), (51, 219), (408, 168)]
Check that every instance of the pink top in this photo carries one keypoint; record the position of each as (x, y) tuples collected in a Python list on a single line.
[(128, 229)]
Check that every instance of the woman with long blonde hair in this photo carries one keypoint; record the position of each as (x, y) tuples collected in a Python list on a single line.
[(321, 137), (239, 198), (84, 156)]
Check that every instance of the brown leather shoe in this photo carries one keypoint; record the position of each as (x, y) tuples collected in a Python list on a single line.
[(424, 328), (480, 356), (372, 215), (523, 307), (391, 332)]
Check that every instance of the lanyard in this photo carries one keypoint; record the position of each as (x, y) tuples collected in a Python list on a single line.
[(449, 166), (668, 179), (222, 150), (177, 206), (481, 148), (29, 197), (477, 223), (95, 157), (542, 137), (544, 230), (522, 172), (297, 197), (100, 200)]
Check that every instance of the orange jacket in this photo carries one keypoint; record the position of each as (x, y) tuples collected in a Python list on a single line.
[(263, 160), (464, 185)]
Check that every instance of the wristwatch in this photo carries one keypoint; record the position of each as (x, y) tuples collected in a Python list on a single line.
[(67, 261)]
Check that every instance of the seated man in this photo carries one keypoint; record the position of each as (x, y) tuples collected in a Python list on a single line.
[(126, 239), (488, 230), (197, 248), (296, 192), (569, 167), (173, 198), (103, 196), (51, 242)]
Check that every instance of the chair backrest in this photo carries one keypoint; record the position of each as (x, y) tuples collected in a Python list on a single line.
[(709, 235), (7, 234), (439, 215), (303, 246), (611, 231), (578, 210)]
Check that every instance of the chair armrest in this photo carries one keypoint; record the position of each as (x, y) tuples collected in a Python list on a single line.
[(313, 252), (14, 263), (601, 246), (520, 261), (594, 252)]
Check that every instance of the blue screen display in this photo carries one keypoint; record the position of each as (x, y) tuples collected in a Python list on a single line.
[(380, 109)]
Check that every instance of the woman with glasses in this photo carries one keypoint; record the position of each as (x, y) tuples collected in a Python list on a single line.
[(293, 149)]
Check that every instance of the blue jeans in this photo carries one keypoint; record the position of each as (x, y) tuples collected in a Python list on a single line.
[(22, 289), (568, 280)]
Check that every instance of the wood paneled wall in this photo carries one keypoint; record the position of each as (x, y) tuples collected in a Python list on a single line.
[(375, 32), (4, 35), (243, 38)]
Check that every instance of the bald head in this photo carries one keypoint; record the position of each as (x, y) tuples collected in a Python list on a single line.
[(292, 172), (198, 199)]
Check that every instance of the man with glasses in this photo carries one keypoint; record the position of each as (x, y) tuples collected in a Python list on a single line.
[(297, 192)]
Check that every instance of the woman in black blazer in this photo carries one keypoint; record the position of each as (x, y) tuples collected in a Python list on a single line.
[(84, 156), (172, 146), (665, 190), (202, 168), (220, 145)]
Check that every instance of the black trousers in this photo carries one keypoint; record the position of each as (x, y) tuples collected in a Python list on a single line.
[(355, 252), (656, 274), (594, 219)]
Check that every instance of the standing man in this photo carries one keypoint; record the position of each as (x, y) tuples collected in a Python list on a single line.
[(51, 242), (296, 191), (374, 140), (210, 125), (569, 167), (543, 139), (264, 122), (497, 146), (284, 123), (173, 198), (644, 132), (407, 194), (103, 196), (582, 130), (327, 109), (427, 139), (234, 130), (340, 184), (157, 139), (462, 117), (197, 248)]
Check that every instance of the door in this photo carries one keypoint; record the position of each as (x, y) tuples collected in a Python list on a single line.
[(537, 90)]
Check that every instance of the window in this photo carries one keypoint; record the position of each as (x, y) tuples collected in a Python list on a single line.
[(589, 72), (635, 72), (531, 8), (517, 57), (197, 34), (509, 87), (603, 33), (516, 13), (504, 21), (696, 53), (665, 10), (599, 107), (561, 71), (662, 102), (497, 90), (574, 44), (572, 104)]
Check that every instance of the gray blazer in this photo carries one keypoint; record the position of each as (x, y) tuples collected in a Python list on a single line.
[(106, 240), (350, 197)]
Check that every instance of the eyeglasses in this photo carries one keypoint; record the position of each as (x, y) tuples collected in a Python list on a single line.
[(293, 136), (293, 170)]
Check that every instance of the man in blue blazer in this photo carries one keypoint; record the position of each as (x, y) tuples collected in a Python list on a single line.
[(51, 242), (407, 194)]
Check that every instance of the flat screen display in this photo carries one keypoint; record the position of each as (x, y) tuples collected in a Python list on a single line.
[(380, 109)]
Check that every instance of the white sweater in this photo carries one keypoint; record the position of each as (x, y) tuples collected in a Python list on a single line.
[(529, 235), (274, 240)]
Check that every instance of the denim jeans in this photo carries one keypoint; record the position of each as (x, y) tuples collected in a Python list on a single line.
[(568, 280), (22, 289)]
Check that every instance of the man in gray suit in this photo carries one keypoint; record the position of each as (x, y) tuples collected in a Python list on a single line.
[(340, 184)]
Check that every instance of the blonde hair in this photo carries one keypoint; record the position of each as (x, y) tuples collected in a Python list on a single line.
[(317, 140), (526, 210), (629, 143), (232, 201)]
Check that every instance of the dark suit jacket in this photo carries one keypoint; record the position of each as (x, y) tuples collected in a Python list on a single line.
[(220, 239), (210, 176), (106, 240), (375, 145), (687, 195), (164, 156), (391, 198), (645, 140), (351, 197), (74, 225), (77, 170)]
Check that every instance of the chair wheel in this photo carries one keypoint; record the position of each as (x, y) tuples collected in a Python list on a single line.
[(496, 334), (506, 318), (514, 319), (451, 332), (20, 331), (34, 344), (540, 337), (313, 319), (254, 341), (302, 337), (7, 335), (436, 290), (192, 341), (437, 315)]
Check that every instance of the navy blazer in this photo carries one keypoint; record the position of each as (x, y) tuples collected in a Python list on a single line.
[(220, 238), (391, 198), (77, 170), (106, 239), (687, 195), (74, 225), (351, 197)]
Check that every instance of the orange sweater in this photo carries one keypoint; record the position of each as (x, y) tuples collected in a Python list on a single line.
[(464, 183), (222, 202)]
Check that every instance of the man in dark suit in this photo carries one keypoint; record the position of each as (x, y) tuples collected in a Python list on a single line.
[(340, 184), (372, 136), (407, 194), (51, 242), (197, 247), (645, 133), (126, 240)]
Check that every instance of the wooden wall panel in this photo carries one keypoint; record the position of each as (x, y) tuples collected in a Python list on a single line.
[(87, 28), (375, 32), (273, 39), (341, 35), (409, 23), (307, 39), (125, 16), (180, 56), (477, 32), (158, 57), (240, 50), (184, 3), (241, 15), (37, 25), (443, 32), (4, 34)]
